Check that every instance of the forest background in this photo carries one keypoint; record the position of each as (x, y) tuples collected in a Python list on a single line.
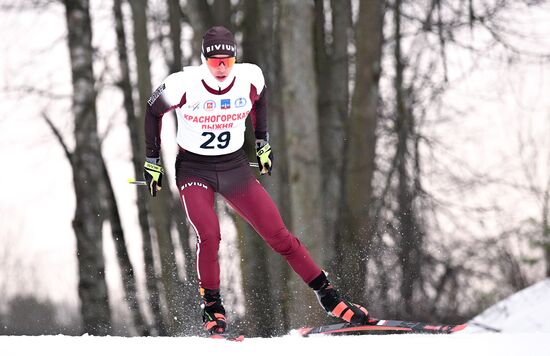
[(411, 157)]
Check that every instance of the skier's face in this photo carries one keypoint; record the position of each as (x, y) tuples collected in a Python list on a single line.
[(220, 66)]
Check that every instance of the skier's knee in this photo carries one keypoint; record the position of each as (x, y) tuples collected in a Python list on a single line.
[(282, 242)]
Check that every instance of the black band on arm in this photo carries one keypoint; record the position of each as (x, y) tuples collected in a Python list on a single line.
[(260, 107)]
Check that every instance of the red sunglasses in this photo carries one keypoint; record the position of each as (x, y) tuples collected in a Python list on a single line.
[(215, 62)]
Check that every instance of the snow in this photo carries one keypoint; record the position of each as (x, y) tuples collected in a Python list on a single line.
[(525, 311), (457, 344), (524, 319)]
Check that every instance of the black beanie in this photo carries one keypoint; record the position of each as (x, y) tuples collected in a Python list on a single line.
[(218, 40)]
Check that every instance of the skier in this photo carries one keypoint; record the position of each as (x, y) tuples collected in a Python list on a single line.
[(212, 101)]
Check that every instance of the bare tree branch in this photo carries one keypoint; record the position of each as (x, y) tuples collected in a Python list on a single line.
[(59, 137)]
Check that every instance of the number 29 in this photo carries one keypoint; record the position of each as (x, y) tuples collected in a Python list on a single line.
[(222, 139)]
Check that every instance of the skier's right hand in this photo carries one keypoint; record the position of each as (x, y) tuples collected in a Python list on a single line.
[(152, 172)]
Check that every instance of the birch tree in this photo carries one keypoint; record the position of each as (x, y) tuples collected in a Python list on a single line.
[(87, 173)]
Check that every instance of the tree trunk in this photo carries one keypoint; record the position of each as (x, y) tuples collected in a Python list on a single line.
[(204, 15), (262, 312), (202, 19), (409, 236), (326, 118), (126, 268), (87, 178), (190, 305), (354, 233), (159, 206), (332, 67), (278, 184), (174, 19), (221, 11), (302, 141), (137, 138)]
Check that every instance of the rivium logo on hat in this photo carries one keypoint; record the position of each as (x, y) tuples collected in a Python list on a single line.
[(219, 47)]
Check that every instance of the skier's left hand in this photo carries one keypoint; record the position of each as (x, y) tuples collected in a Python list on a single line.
[(265, 156)]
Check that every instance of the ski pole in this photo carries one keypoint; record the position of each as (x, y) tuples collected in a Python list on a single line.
[(136, 182), (142, 182)]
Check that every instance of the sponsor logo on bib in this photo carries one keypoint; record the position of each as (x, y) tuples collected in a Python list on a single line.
[(209, 105), (240, 102), (226, 104)]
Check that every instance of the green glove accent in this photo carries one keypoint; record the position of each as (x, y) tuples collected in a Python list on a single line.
[(153, 176), (265, 156)]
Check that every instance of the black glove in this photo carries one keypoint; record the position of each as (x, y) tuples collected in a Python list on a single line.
[(264, 156), (152, 172)]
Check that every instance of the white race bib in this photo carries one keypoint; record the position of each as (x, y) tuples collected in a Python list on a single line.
[(213, 124)]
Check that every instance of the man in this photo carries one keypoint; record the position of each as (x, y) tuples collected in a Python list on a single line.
[(212, 102)]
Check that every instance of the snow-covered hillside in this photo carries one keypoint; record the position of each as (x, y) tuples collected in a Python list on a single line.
[(524, 319), (526, 311)]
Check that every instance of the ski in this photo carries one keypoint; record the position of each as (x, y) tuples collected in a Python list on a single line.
[(381, 326), (227, 337)]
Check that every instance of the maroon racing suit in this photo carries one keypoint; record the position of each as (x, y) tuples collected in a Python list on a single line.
[(211, 160)]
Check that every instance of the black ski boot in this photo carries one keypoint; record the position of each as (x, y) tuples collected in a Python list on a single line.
[(213, 312), (334, 305)]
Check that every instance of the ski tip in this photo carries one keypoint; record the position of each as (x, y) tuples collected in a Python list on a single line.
[(458, 328), (238, 338), (303, 331), (227, 337)]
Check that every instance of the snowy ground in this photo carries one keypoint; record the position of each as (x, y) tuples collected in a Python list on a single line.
[(524, 321), (426, 345)]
